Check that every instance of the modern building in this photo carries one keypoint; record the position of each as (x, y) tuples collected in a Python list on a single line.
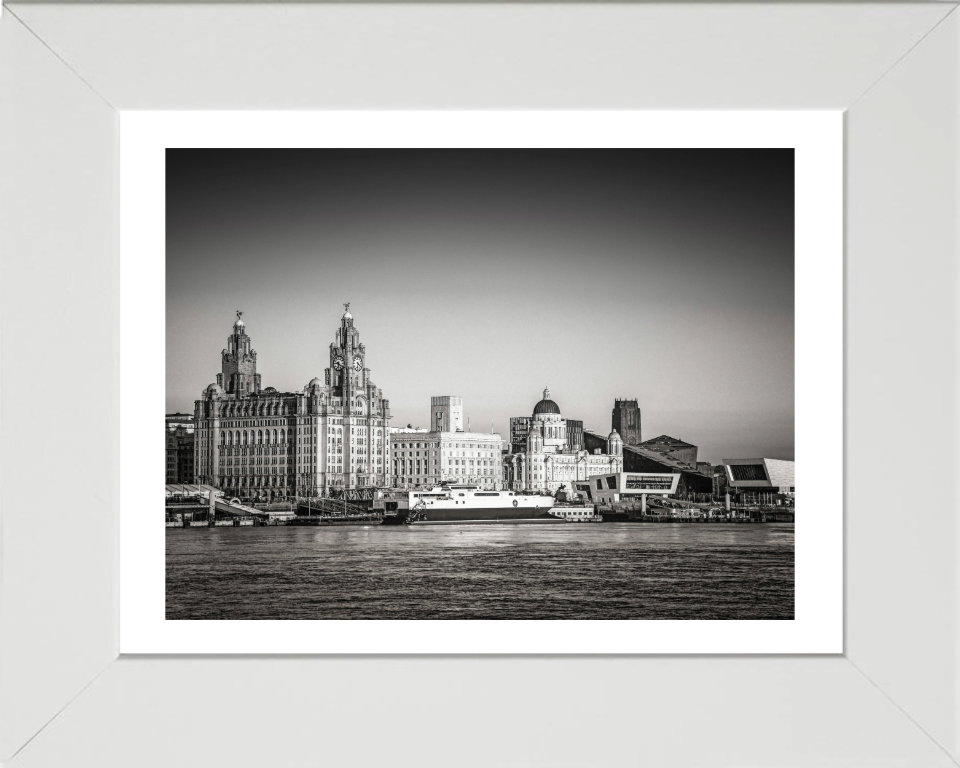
[(628, 486), (759, 481), (519, 429), (626, 421), (546, 463), (593, 442), (678, 450), (574, 434), (422, 459), (264, 444), (692, 484), (180, 448)]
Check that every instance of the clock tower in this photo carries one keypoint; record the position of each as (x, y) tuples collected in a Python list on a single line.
[(353, 426), (347, 356)]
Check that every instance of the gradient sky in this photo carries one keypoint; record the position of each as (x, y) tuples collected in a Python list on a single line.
[(661, 275)]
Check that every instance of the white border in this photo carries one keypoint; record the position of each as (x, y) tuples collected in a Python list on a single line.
[(817, 138)]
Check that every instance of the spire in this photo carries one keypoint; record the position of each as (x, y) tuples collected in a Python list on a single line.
[(346, 312)]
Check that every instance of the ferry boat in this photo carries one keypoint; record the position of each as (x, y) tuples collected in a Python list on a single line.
[(463, 504)]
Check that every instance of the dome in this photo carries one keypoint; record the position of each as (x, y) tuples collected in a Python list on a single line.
[(546, 405), (614, 436), (270, 389), (315, 383), (214, 389), (239, 323)]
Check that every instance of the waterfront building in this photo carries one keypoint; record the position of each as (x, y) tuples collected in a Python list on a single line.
[(631, 486), (265, 444), (546, 462), (692, 484), (626, 421), (446, 414), (594, 443), (180, 447), (574, 434), (520, 428), (422, 459), (759, 481), (663, 454), (678, 450)]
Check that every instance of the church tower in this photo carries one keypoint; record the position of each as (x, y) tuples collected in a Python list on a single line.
[(626, 421), (239, 363)]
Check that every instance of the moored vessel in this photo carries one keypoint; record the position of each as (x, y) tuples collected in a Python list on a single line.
[(463, 504)]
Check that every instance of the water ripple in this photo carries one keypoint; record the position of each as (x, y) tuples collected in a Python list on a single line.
[(576, 571)]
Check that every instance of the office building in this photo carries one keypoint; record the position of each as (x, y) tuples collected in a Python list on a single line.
[(264, 444), (545, 462), (422, 459)]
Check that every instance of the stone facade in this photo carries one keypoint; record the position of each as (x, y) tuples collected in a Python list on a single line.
[(263, 444), (446, 414), (424, 459), (520, 428), (546, 463)]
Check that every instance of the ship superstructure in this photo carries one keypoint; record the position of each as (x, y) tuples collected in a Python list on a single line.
[(463, 503)]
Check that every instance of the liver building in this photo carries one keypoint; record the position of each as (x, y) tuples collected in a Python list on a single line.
[(261, 444)]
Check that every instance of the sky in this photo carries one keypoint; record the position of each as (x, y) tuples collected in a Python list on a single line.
[(661, 275)]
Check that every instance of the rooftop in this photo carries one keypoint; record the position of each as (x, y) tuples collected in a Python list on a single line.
[(662, 458), (667, 440)]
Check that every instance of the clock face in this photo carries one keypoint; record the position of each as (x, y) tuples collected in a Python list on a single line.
[(358, 363), (338, 363)]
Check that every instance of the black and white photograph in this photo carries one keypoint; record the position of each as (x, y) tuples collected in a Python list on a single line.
[(480, 384)]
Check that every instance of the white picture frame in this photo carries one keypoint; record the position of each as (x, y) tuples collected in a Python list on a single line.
[(66, 71), (816, 138)]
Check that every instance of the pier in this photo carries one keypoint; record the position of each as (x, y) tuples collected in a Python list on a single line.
[(203, 506)]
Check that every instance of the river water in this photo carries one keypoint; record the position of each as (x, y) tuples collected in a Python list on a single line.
[(573, 571)]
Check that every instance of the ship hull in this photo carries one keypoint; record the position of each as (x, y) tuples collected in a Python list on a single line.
[(466, 514), (546, 519), (478, 515)]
